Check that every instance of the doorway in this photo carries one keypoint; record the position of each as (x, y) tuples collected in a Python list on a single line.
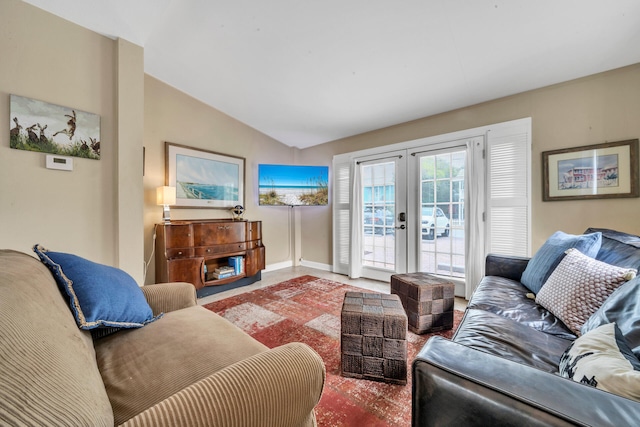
[(433, 185), (440, 184), (479, 208), (382, 193)]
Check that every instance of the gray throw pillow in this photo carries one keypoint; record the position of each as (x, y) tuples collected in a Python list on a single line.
[(579, 286)]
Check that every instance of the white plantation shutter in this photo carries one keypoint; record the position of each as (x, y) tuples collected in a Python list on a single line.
[(509, 187), (341, 219)]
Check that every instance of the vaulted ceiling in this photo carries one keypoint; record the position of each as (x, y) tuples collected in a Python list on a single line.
[(307, 72)]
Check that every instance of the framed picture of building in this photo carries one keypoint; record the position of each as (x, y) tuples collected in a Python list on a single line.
[(203, 178), (598, 171)]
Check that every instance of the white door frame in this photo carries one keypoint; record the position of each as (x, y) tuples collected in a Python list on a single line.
[(399, 158)]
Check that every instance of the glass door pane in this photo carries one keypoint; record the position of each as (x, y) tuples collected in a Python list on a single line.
[(379, 206), (441, 215)]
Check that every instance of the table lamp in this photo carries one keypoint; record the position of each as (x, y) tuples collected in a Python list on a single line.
[(166, 196)]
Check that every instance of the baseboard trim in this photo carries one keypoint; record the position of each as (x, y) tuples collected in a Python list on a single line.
[(278, 266), (316, 265), (303, 263)]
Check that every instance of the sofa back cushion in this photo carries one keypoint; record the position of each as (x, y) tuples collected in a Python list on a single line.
[(623, 306), (49, 370), (618, 248)]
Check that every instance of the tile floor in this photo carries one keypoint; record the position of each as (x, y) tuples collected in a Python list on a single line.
[(276, 276)]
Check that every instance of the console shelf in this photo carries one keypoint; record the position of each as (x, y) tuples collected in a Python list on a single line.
[(184, 248)]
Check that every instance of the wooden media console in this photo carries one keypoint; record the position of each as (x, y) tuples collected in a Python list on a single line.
[(192, 250)]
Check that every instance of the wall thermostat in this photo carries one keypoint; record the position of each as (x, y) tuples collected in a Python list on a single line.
[(59, 162)]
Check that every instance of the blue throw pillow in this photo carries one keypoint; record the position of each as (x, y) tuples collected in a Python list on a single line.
[(551, 253), (99, 295)]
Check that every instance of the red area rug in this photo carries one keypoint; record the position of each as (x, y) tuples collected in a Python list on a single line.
[(307, 309)]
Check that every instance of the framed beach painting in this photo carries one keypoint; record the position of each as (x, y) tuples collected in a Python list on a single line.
[(204, 179), (591, 172)]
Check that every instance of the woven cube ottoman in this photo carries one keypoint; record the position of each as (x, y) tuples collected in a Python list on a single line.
[(427, 299), (373, 341)]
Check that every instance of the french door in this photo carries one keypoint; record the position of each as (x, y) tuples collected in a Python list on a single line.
[(437, 236), (411, 209), (438, 204), (381, 206)]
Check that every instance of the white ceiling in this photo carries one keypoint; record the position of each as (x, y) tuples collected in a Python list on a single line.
[(310, 71)]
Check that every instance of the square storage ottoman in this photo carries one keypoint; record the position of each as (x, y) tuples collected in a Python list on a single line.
[(427, 299), (373, 342)]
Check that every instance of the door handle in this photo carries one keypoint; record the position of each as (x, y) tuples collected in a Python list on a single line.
[(402, 227)]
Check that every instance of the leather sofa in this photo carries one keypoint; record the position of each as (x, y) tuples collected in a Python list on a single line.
[(501, 366), (189, 368)]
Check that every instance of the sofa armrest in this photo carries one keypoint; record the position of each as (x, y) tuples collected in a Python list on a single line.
[(279, 387), (510, 267), (458, 385), (166, 297)]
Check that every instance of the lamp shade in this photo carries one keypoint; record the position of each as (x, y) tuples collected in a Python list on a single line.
[(166, 195)]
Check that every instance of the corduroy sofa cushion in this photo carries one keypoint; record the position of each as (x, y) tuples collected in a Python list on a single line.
[(142, 367), (49, 372)]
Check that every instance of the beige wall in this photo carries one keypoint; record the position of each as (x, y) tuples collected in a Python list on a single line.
[(49, 59), (591, 110), (105, 210), (172, 116), (95, 210)]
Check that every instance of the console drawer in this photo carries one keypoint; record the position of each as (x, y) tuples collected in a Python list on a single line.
[(179, 253), (220, 249), (218, 233)]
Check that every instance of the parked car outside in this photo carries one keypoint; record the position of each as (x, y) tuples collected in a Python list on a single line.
[(379, 221), (434, 223)]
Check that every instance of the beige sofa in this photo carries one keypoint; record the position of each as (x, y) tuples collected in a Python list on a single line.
[(189, 368)]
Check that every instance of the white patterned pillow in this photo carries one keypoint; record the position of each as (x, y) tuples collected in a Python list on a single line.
[(579, 286), (602, 358)]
